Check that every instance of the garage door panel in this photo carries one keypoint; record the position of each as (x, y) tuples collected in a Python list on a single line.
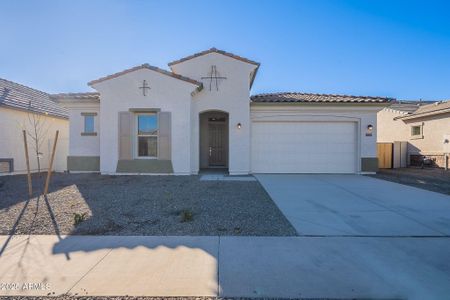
[(304, 147)]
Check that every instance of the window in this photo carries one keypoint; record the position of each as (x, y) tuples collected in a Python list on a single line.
[(6, 165), (88, 124), (416, 131), (147, 135), (89, 128)]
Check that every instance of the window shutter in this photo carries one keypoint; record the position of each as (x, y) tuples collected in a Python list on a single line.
[(164, 136), (125, 119)]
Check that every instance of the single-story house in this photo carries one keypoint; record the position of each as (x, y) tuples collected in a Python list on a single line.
[(424, 126), (200, 115), (24, 108)]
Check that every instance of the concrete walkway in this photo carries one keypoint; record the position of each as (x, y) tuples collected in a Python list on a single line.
[(309, 267), (354, 205)]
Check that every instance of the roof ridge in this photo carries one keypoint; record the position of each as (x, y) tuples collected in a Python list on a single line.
[(320, 94), (213, 50), (146, 66)]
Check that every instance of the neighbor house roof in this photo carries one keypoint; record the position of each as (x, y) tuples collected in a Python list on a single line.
[(435, 108), (21, 97), (315, 98), (406, 106), (147, 66), (214, 50)]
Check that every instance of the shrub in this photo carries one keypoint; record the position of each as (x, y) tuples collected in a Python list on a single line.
[(78, 218), (186, 215)]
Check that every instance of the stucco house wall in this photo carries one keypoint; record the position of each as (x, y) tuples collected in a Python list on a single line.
[(435, 128), (233, 97), (166, 93), (434, 132), (13, 121), (389, 129)]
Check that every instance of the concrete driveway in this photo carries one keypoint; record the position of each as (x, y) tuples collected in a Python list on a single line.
[(354, 205)]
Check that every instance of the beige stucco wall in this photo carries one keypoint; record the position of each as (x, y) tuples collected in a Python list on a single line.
[(435, 128), (12, 122), (390, 130), (232, 97)]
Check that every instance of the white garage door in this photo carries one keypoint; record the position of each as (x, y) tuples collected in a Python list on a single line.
[(304, 147)]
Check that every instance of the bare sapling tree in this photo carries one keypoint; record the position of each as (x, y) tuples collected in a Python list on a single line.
[(37, 129)]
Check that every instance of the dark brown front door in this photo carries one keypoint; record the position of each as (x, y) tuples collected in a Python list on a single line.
[(217, 148)]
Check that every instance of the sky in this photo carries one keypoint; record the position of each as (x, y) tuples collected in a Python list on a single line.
[(397, 49)]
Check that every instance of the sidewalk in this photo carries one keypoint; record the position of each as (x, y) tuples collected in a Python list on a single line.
[(308, 267)]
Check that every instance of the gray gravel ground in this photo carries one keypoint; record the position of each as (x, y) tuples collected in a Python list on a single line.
[(139, 205), (432, 179), (133, 298)]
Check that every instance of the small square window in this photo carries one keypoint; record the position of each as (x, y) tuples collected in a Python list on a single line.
[(88, 124), (416, 131)]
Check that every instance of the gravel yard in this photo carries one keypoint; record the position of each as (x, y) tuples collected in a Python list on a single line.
[(432, 179), (139, 205)]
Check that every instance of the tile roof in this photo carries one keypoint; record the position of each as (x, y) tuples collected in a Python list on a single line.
[(315, 98), (429, 109), (147, 66), (22, 97), (214, 50), (81, 96)]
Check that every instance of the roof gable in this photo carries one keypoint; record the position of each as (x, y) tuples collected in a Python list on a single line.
[(149, 67), (214, 50)]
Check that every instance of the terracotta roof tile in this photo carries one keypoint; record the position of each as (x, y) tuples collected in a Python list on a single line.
[(315, 98)]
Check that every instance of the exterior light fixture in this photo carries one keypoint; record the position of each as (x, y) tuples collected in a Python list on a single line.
[(369, 130), (239, 125)]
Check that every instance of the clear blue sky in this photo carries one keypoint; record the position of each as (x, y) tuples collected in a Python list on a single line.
[(387, 48)]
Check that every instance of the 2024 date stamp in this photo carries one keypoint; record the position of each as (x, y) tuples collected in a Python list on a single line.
[(24, 286)]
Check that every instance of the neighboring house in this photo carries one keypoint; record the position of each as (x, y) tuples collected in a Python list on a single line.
[(20, 108), (424, 125), (201, 115)]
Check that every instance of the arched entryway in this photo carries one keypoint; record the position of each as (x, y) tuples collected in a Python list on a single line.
[(214, 140)]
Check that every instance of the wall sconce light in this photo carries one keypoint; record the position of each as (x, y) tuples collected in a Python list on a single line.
[(239, 125), (369, 130)]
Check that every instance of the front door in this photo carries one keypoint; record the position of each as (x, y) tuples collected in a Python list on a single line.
[(217, 148)]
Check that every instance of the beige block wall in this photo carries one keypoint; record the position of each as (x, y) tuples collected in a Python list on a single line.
[(434, 130), (12, 122)]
